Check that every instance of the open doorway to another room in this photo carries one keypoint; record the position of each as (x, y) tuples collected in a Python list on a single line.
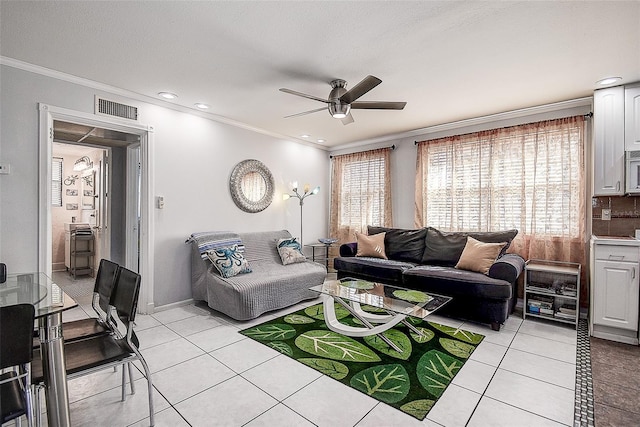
[(91, 202)]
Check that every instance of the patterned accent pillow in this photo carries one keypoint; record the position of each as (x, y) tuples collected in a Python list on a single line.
[(229, 261), (290, 251), (371, 246)]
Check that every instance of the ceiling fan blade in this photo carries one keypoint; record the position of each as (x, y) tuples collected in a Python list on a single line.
[(348, 119), (304, 95), (378, 105), (360, 89), (306, 112)]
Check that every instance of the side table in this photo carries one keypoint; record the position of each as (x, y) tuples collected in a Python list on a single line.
[(322, 255)]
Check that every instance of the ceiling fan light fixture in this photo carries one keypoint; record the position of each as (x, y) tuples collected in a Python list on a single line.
[(339, 110)]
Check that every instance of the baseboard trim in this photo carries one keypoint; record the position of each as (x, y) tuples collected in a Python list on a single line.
[(172, 305)]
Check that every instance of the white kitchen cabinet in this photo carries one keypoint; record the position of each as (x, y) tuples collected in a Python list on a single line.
[(615, 289), (609, 144), (632, 118)]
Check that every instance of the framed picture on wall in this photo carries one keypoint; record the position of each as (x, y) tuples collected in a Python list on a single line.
[(72, 206), (72, 192)]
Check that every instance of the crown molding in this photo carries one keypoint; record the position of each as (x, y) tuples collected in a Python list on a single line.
[(59, 75)]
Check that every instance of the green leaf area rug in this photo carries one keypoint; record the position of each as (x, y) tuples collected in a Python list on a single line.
[(411, 380)]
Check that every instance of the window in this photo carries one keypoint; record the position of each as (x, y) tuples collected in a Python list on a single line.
[(56, 181), (527, 177), (360, 193)]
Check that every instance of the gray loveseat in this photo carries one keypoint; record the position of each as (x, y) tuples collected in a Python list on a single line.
[(425, 259), (270, 285)]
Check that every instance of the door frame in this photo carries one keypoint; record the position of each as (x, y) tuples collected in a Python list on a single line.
[(49, 113)]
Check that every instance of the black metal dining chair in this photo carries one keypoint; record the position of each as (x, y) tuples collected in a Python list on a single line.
[(105, 281), (90, 327), (3, 272), (16, 353), (93, 354)]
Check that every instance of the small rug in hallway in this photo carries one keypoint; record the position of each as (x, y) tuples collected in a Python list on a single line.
[(411, 381)]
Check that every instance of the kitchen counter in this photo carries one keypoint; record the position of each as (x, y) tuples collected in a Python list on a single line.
[(615, 240)]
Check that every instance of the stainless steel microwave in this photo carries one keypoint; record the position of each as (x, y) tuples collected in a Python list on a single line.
[(633, 172)]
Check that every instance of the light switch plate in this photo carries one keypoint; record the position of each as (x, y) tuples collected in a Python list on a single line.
[(606, 214), (5, 169)]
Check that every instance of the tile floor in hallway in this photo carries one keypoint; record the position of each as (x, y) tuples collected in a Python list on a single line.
[(207, 374)]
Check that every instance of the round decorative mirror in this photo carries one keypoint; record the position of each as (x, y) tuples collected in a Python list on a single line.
[(251, 185)]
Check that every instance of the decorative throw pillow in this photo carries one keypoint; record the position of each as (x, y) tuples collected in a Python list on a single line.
[(371, 246), (445, 247), (290, 251), (229, 261), (478, 256), (402, 244)]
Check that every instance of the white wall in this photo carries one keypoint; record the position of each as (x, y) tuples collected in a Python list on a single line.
[(193, 159)]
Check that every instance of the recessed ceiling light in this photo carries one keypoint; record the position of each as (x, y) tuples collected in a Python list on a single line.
[(609, 80), (201, 106), (167, 95), (305, 136), (321, 141)]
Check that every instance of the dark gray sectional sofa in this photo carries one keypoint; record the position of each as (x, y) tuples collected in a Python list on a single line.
[(425, 259)]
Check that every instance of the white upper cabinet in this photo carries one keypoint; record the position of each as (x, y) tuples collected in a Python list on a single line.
[(609, 146), (632, 118)]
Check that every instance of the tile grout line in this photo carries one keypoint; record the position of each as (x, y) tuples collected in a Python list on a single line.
[(492, 375)]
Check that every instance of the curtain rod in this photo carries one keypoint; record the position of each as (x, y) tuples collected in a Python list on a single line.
[(586, 116), (393, 147)]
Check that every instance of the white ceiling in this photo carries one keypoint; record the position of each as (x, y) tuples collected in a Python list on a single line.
[(448, 60)]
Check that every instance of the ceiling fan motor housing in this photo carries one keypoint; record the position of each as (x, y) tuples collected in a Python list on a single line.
[(337, 108)]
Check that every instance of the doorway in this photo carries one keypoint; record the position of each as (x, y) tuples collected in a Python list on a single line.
[(125, 170), (90, 202)]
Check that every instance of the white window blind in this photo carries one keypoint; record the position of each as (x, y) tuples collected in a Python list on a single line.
[(360, 193), (528, 177), (56, 181)]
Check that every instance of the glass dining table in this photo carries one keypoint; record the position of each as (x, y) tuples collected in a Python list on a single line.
[(49, 301)]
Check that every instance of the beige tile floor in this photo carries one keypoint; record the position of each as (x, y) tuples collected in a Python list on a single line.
[(207, 374)]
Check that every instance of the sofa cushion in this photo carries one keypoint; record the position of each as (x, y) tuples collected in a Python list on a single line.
[(478, 256), (374, 269), (445, 248), (229, 261), (453, 282), (290, 251), (370, 246), (402, 244)]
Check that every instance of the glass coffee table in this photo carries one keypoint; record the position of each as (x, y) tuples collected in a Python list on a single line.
[(394, 302)]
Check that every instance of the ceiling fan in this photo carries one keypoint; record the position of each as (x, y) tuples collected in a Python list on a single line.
[(341, 101)]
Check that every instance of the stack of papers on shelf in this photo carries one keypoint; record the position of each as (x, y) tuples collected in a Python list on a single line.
[(566, 311), (565, 316), (540, 304)]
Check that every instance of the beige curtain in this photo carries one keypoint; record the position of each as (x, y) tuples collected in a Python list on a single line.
[(360, 193), (528, 177)]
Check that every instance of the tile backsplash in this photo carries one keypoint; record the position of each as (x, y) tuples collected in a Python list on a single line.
[(625, 215)]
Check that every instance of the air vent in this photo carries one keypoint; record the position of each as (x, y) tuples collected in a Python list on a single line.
[(112, 108)]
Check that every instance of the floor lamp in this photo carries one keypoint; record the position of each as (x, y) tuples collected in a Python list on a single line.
[(306, 192)]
